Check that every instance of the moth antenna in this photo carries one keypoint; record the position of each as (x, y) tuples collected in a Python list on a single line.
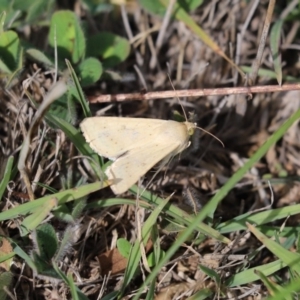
[(211, 135), (185, 116)]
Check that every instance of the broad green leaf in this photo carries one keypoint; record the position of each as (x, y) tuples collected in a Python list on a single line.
[(66, 30), (46, 240), (124, 247), (9, 49), (89, 71)]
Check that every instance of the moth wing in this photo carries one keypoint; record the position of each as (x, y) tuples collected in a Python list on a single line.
[(127, 169), (112, 136)]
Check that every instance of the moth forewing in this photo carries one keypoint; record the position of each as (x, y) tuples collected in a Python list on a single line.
[(111, 137)]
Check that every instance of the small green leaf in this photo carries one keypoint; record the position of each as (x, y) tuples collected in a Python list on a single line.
[(65, 29), (124, 247), (211, 273), (151, 259), (9, 49), (46, 241), (90, 71)]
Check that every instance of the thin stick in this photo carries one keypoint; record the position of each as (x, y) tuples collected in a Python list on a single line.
[(194, 93)]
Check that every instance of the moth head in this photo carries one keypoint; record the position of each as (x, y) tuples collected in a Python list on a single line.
[(190, 128)]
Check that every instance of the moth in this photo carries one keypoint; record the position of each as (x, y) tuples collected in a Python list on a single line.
[(135, 145)]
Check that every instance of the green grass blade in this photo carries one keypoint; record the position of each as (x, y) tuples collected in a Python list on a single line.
[(36, 218), (250, 275), (275, 48), (84, 104), (135, 254), (181, 216), (19, 251), (6, 176), (221, 194), (289, 290), (291, 259), (239, 222), (62, 197)]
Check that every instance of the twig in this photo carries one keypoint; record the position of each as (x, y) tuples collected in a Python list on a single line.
[(194, 93)]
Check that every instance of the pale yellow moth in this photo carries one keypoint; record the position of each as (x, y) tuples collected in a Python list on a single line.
[(135, 145)]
